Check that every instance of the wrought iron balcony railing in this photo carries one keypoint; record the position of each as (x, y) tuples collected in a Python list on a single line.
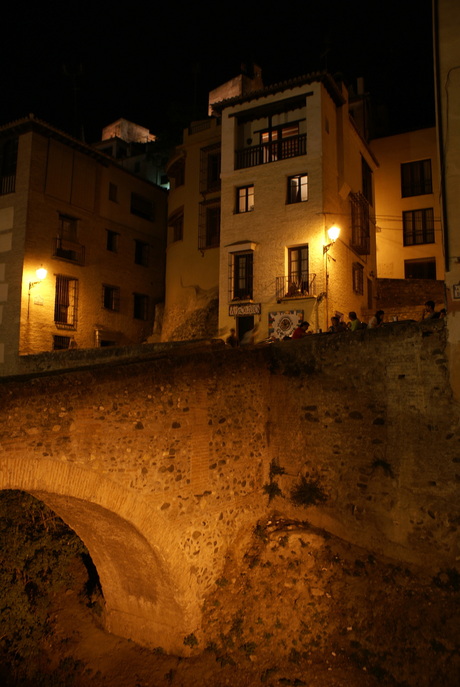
[(68, 250), (271, 152), (297, 285)]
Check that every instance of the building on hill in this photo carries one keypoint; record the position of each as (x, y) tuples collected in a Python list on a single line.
[(255, 190), (97, 230), (131, 146), (407, 206)]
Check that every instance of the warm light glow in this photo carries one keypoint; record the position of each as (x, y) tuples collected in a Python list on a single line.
[(333, 232), (41, 273)]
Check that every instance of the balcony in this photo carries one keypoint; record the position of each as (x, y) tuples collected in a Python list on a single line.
[(296, 285), (294, 146), (68, 250)]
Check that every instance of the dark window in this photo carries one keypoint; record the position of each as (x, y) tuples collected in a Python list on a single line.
[(358, 278), (110, 297), (418, 226), (8, 161), (416, 178), (61, 343), (176, 222), (106, 342), (141, 253), (298, 278), (360, 224), (367, 181), (176, 173), (112, 240), (113, 192), (142, 207), (245, 199), (210, 168), (65, 303), (297, 188), (66, 245), (242, 275), (141, 306), (420, 269), (209, 226)]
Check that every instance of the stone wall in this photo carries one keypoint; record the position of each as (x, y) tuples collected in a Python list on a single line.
[(164, 461)]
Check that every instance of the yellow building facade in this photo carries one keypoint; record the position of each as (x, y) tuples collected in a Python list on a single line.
[(96, 229), (292, 166), (407, 205)]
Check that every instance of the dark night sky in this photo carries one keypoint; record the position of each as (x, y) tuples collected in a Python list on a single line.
[(154, 63)]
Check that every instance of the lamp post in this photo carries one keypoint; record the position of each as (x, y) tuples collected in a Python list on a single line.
[(333, 234), (40, 273)]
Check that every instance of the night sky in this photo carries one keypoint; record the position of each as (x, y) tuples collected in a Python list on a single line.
[(83, 65)]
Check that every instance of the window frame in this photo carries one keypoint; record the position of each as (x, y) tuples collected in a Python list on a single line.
[(66, 302), (143, 207), (209, 225), (241, 274), (140, 306), (416, 178), (141, 253), (112, 241), (111, 297), (295, 193), (243, 199), (176, 225), (425, 230), (358, 278)]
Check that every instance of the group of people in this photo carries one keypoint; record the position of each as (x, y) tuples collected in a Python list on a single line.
[(337, 325)]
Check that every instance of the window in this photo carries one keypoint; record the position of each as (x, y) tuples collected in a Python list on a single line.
[(360, 229), (298, 278), (111, 297), (141, 306), (210, 168), (8, 161), (113, 192), (141, 253), (367, 181), (66, 245), (176, 173), (358, 278), (112, 240), (298, 188), (416, 178), (280, 142), (209, 225), (65, 303), (242, 276), (142, 207), (61, 343), (176, 224), (424, 268), (245, 199), (418, 226)]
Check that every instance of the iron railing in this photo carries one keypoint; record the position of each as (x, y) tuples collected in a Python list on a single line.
[(296, 285), (271, 152), (68, 250)]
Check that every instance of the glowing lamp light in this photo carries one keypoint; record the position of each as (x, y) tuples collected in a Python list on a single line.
[(41, 275), (333, 233)]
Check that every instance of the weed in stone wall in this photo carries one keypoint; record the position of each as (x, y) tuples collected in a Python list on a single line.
[(190, 640), (276, 468), (308, 492), (384, 465), (272, 489)]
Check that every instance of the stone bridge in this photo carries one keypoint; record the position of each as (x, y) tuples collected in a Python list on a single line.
[(161, 458)]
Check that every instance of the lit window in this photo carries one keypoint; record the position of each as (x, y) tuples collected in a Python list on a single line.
[(416, 178), (418, 226), (110, 297), (245, 199), (298, 277), (65, 303), (298, 188)]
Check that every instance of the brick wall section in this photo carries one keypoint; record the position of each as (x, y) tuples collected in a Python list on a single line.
[(159, 462), (405, 298)]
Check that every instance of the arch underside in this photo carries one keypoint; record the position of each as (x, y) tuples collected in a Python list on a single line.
[(146, 584)]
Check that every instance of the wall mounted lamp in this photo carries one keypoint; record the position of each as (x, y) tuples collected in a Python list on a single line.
[(41, 275), (333, 234)]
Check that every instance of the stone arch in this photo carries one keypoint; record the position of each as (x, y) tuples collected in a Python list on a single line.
[(149, 593)]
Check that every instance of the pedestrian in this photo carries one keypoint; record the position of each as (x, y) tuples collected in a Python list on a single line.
[(377, 320), (337, 325), (301, 330), (429, 312), (354, 323), (232, 340)]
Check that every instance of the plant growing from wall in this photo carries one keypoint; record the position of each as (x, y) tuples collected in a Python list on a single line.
[(308, 492)]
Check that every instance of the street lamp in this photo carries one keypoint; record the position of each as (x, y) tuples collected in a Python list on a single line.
[(333, 234)]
